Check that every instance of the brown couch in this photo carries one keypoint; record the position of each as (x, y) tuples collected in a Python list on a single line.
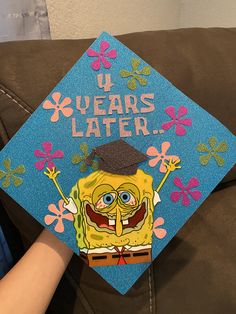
[(196, 273)]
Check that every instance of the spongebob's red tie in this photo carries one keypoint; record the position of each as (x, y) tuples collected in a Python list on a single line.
[(121, 260)]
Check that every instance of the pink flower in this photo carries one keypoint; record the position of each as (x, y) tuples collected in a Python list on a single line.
[(47, 156), (58, 106), (58, 215), (179, 129), (160, 233), (160, 156), (101, 56), (185, 191)]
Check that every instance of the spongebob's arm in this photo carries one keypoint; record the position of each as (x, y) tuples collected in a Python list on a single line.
[(52, 175), (68, 202), (170, 166)]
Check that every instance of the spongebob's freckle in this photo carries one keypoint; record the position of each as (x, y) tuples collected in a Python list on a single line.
[(75, 194), (79, 221), (90, 183), (96, 237)]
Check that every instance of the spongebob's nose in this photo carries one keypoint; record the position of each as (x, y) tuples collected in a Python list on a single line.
[(119, 226)]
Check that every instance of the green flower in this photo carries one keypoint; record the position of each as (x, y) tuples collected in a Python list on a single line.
[(80, 159), (212, 151), (136, 75), (9, 174)]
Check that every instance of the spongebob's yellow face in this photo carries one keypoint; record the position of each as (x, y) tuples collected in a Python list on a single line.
[(116, 209)]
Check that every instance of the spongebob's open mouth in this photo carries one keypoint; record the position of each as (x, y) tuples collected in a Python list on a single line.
[(102, 221)]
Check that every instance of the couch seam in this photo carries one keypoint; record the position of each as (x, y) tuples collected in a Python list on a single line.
[(150, 290), (14, 100), (4, 134), (87, 306)]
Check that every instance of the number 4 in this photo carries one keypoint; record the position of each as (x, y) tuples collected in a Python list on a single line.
[(107, 84)]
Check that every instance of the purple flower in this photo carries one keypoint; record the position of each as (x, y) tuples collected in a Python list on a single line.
[(101, 56), (186, 191), (47, 156), (179, 130)]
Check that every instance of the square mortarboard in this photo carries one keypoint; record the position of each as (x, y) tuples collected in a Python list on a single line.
[(117, 157)]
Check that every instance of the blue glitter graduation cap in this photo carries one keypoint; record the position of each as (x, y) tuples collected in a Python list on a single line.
[(108, 95)]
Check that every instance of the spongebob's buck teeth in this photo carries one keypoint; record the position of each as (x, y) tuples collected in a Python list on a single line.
[(112, 222)]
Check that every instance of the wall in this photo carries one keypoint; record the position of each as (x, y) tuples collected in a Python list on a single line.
[(87, 18), (208, 13)]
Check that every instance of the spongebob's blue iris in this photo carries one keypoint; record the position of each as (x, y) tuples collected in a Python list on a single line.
[(125, 197), (108, 198)]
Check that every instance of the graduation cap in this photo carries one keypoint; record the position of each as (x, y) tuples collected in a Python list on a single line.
[(117, 157)]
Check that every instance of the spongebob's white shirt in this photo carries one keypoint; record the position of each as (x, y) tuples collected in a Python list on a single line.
[(71, 207), (112, 249), (156, 198)]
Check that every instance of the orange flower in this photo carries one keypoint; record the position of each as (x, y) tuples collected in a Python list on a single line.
[(58, 215), (160, 233), (160, 156), (58, 106)]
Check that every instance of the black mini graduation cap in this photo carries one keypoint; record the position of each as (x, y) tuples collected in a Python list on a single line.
[(117, 157)]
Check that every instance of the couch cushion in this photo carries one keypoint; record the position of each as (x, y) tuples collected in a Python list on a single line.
[(196, 272)]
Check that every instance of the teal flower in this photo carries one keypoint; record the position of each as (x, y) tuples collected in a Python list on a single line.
[(9, 175), (136, 75), (212, 151), (80, 159)]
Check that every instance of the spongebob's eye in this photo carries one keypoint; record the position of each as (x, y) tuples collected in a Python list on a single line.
[(106, 200), (127, 198)]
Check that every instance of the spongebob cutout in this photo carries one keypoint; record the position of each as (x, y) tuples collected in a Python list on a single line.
[(113, 215)]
